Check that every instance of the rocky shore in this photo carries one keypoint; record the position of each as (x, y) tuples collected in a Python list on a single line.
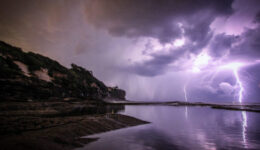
[(57, 125)]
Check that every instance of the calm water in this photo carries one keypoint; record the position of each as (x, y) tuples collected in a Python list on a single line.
[(183, 128)]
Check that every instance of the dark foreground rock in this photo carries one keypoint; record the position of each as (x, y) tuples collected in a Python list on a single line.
[(49, 126)]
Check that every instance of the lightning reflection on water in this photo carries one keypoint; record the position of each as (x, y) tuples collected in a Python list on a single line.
[(186, 99), (240, 98)]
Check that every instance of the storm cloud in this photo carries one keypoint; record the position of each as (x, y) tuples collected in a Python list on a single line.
[(153, 18), (165, 21), (249, 46), (149, 48)]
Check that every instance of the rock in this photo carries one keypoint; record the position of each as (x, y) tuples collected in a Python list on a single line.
[(116, 93)]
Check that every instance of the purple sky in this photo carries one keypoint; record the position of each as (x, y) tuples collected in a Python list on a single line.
[(152, 48)]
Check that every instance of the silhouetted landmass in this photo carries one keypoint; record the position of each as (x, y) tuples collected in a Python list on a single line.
[(45, 105), (31, 76)]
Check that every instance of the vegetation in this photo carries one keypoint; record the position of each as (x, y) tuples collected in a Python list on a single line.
[(75, 82)]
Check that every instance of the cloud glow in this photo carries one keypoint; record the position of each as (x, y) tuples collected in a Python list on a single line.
[(179, 42), (233, 66), (201, 61)]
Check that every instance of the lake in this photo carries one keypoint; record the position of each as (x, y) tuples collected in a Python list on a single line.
[(195, 128)]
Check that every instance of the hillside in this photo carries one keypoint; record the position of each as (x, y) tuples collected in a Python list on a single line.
[(33, 77)]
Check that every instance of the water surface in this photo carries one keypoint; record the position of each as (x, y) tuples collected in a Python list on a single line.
[(183, 128)]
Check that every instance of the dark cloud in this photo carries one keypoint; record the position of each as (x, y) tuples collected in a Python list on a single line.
[(38, 24), (199, 35), (257, 18), (95, 34), (163, 20), (221, 44), (252, 82), (151, 18), (249, 46), (157, 65)]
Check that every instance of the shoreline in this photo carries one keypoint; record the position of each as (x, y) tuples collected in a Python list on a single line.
[(238, 107), (57, 125)]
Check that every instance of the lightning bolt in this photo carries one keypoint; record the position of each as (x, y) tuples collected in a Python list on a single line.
[(203, 60), (185, 93), (239, 83), (240, 98), (234, 67)]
